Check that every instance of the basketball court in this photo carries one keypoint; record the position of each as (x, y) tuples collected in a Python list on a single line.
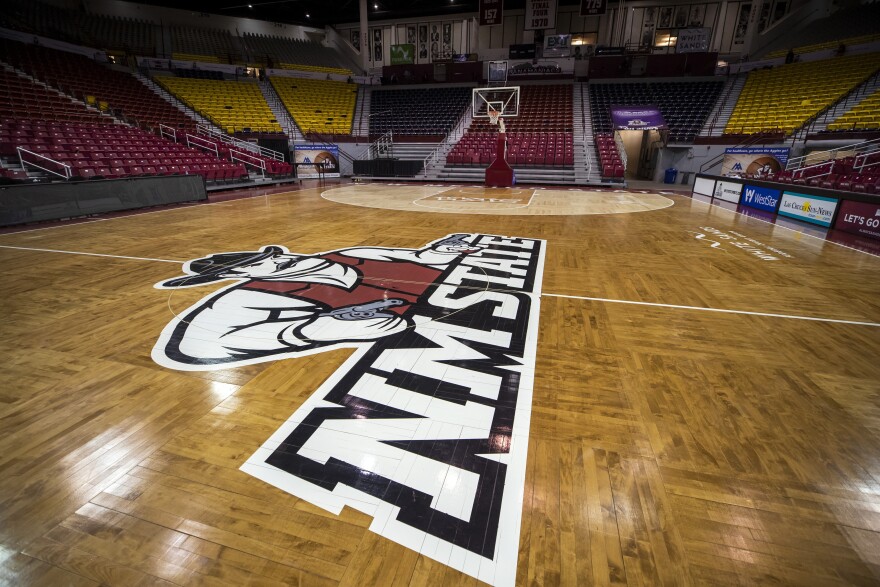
[(553, 387)]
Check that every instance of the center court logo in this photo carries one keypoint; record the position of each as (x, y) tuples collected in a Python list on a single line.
[(425, 427)]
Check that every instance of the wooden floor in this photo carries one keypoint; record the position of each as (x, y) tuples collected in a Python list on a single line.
[(668, 444)]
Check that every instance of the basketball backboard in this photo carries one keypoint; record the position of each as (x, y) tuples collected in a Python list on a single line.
[(503, 99), (496, 73)]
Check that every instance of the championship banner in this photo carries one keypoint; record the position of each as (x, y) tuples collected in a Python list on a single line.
[(753, 161), (313, 161), (540, 14), (491, 12), (593, 7), (692, 41), (403, 54), (557, 46), (644, 118)]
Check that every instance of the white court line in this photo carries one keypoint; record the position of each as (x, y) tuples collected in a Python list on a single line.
[(744, 312), (711, 205), (91, 254)]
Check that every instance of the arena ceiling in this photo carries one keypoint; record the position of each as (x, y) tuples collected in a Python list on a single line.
[(321, 13)]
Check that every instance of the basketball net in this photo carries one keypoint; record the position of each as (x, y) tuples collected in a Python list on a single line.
[(495, 118)]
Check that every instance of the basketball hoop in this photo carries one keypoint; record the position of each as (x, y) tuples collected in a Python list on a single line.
[(495, 118)]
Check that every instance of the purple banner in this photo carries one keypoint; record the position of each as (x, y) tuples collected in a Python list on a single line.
[(637, 118), (859, 218)]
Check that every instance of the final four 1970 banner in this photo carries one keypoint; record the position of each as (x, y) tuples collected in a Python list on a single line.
[(540, 14)]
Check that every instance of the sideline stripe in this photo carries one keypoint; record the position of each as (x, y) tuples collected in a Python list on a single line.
[(745, 312), (823, 239), (592, 299), (91, 254)]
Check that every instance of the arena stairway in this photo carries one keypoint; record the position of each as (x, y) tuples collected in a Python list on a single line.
[(585, 165), (720, 114), (845, 105), (294, 133)]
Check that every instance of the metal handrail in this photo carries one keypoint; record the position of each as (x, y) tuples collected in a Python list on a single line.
[(865, 147), (621, 150), (206, 145), (259, 163), (453, 135), (68, 173), (589, 167), (167, 131), (718, 159), (386, 140), (245, 145)]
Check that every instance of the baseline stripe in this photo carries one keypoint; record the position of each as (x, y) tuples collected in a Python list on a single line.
[(90, 254), (722, 310)]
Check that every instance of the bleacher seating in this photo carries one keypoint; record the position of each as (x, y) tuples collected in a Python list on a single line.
[(609, 156), (206, 45), (316, 68), (825, 45), (784, 98), (232, 106), (238, 153), (541, 136), (542, 108), (94, 150), (684, 105), (134, 37), (282, 52), (527, 149), (94, 30), (322, 106), (195, 58), (21, 98), (863, 116), (428, 111), (199, 74), (82, 77)]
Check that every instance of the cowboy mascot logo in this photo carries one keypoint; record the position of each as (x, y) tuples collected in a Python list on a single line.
[(425, 427), (285, 303)]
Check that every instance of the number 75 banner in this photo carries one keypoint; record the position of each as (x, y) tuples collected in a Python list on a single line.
[(491, 12)]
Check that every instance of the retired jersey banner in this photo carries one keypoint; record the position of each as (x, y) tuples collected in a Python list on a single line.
[(593, 7), (312, 161), (753, 161), (491, 12), (540, 14), (642, 118)]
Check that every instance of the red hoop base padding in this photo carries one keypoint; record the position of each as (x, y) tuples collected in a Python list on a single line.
[(499, 174)]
